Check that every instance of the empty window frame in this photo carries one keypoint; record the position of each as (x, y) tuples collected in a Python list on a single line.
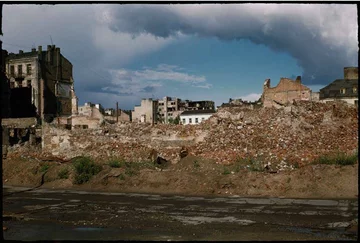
[(190, 120), (28, 69), (342, 91), (183, 120), (12, 69), (196, 120), (20, 70)]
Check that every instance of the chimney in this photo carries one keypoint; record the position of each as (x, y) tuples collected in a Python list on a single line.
[(351, 73), (39, 49), (21, 51), (53, 47), (298, 79), (49, 47), (33, 49)]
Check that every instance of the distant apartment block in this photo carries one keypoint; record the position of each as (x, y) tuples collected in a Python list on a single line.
[(168, 108), (199, 105)]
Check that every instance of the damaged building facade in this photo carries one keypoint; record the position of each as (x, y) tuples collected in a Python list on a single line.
[(41, 84), (345, 89), (167, 109), (40, 88), (146, 112), (286, 92)]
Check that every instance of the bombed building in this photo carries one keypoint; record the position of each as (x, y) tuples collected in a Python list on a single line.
[(41, 83)]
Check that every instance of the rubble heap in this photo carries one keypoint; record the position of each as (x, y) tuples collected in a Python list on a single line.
[(291, 135)]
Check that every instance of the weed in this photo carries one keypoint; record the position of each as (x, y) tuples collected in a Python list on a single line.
[(44, 168), (122, 177), (63, 173), (85, 168), (130, 172), (115, 163), (226, 171), (339, 158), (196, 164)]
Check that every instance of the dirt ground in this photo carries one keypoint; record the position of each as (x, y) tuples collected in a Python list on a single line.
[(192, 176)]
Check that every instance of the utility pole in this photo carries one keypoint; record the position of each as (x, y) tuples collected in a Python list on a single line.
[(117, 112)]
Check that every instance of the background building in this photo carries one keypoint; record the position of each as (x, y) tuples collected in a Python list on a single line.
[(199, 105), (146, 112), (195, 116), (168, 108), (345, 89)]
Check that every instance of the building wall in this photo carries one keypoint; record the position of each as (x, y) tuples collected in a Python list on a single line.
[(285, 92), (91, 111), (92, 123), (168, 108), (200, 117), (146, 112), (49, 66), (351, 101), (122, 117)]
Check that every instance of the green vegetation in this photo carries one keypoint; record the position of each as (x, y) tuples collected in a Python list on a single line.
[(175, 121), (251, 164), (85, 168), (63, 173), (116, 163), (226, 171), (122, 177), (339, 158), (196, 164), (44, 168)]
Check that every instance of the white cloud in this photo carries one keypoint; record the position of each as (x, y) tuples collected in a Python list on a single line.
[(147, 80), (251, 97)]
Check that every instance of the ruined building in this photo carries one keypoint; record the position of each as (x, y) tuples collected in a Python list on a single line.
[(286, 92), (168, 108), (345, 89), (146, 112), (41, 84)]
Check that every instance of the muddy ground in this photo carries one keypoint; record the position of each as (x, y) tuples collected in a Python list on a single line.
[(191, 176), (46, 214)]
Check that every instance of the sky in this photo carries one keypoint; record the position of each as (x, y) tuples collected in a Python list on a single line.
[(123, 53)]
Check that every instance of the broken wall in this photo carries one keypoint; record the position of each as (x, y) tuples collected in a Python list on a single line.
[(285, 92)]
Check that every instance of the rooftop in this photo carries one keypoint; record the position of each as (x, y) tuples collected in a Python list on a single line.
[(195, 112)]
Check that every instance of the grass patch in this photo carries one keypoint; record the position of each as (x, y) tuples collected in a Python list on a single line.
[(196, 164), (251, 164), (339, 158), (130, 172), (226, 171), (122, 177), (63, 173), (44, 168), (116, 163), (85, 168)]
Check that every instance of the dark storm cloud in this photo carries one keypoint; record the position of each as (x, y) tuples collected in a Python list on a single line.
[(322, 38)]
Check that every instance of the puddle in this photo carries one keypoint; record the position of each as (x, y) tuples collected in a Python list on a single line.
[(88, 229), (201, 219), (338, 225)]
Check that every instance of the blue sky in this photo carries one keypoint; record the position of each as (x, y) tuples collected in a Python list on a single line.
[(214, 52)]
